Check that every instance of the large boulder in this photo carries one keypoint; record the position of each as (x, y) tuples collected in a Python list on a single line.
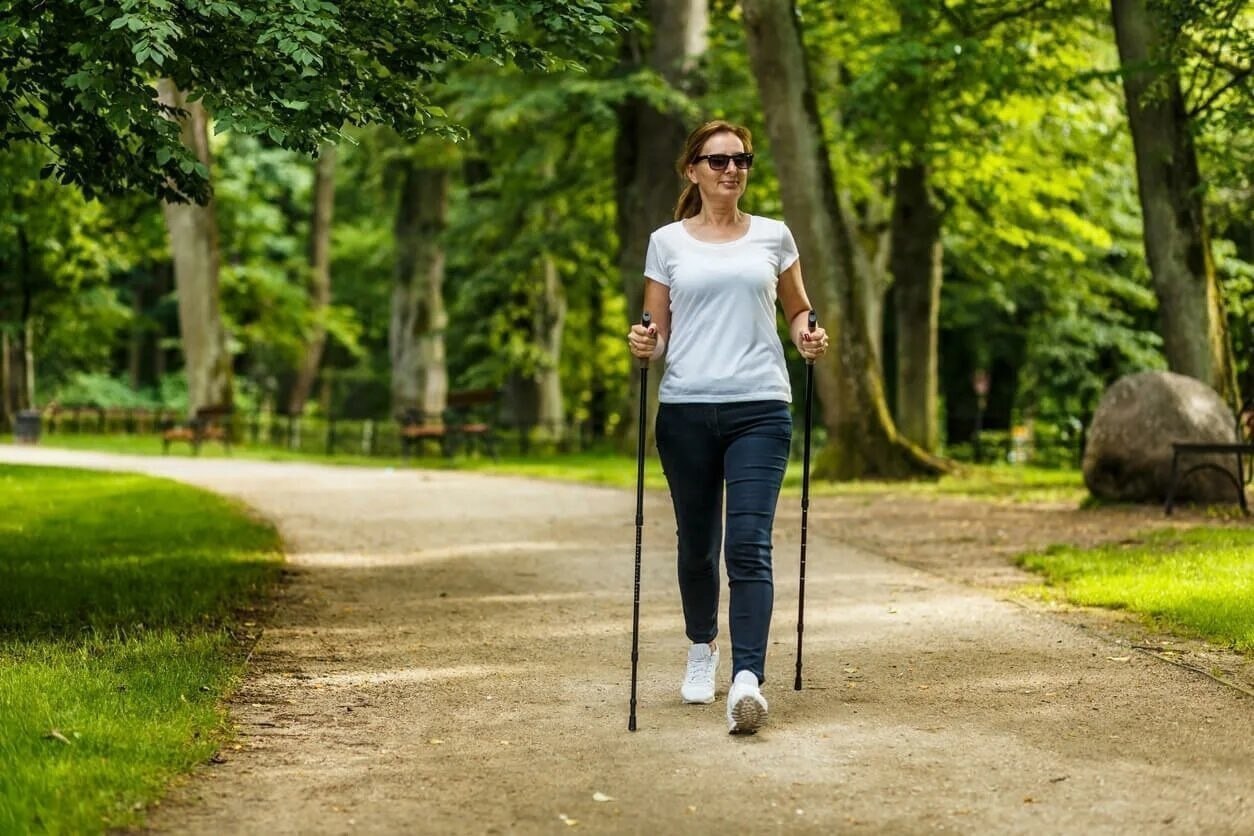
[(1127, 456)]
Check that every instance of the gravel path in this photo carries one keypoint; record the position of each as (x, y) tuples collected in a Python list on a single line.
[(451, 655)]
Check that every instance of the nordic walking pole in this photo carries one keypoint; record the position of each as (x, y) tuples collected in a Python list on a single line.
[(805, 503), (645, 320)]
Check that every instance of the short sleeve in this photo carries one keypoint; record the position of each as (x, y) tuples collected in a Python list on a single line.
[(788, 254), (654, 267)]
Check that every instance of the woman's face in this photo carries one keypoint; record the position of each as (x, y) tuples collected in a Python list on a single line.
[(726, 184)]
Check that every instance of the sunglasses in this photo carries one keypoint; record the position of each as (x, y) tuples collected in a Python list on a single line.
[(718, 162)]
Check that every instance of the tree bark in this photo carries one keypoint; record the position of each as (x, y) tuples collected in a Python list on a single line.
[(135, 345), (22, 355), (28, 364), (193, 233), (862, 440), (416, 333), (1177, 240), (875, 235), (647, 144), (6, 378), (319, 277), (19, 371), (916, 267), (550, 324)]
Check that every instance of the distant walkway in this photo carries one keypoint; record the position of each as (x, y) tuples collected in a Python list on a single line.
[(452, 655)]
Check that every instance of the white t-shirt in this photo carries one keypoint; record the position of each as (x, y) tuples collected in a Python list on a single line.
[(723, 344)]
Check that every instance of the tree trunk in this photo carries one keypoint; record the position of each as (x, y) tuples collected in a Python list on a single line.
[(193, 233), (22, 356), (28, 363), (862, 441), (1177, 241), (6, 377), (550, 324), (135, 345), (19, 370), (319, 277), (916, 267), (875, 234), (416, 334), (647, 144), (599, 395)]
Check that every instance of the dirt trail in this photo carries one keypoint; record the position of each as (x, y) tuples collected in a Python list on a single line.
[(451, 655)]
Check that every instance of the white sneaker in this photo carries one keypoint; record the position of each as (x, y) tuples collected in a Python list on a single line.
[(746, 707), (698, 684)]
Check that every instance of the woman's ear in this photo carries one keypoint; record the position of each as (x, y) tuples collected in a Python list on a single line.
[(691, 174)]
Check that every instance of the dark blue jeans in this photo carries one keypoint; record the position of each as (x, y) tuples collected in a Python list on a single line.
[(743, 446)]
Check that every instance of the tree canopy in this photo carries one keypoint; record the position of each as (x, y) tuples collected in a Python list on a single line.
[(77, 77)]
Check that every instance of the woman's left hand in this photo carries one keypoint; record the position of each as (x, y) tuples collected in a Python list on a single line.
[(812, 344)]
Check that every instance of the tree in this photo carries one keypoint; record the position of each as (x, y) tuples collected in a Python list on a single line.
[(78, 76), (78, 79), (915, 259), (194, 244), (319, 278), (862, 440), (419, 319), (1177, 238), (57, 254)]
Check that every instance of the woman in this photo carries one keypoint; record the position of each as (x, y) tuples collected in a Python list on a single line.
[(711, 283)]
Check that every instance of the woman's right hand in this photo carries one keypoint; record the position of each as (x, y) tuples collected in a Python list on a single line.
[(642, 341)]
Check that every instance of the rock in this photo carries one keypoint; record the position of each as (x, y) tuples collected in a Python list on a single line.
[(1127, 456)]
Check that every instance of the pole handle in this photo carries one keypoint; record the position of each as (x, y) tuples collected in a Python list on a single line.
[(812, 322), (645, 320)]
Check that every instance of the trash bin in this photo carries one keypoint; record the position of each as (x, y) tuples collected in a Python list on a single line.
[(26, 428)]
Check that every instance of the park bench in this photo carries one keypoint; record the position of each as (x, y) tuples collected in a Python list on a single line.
[(208, 423), (1241, 448), (469, 417)]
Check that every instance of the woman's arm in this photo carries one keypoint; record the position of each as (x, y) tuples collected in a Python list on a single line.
[(650, 344), (792, 296)]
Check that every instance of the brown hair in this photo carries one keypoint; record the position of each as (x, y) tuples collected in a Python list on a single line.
[(689, 203)]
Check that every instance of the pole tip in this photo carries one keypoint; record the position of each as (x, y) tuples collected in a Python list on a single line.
[(631, 724), (796, 685)]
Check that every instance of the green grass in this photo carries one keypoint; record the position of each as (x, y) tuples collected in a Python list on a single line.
[(981, 482), (1199, 581), (119, 597), (993, 482), (1018, 483)]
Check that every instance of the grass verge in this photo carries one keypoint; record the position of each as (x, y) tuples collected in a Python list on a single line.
[(1198, 581), (121, 602), (992, 482)]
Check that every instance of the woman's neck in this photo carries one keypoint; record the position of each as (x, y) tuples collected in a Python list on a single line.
[(728, 215)]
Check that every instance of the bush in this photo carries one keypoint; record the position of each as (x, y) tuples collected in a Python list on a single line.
[(91, 389)]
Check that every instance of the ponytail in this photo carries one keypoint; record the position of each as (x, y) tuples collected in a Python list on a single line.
[(689, 203)]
